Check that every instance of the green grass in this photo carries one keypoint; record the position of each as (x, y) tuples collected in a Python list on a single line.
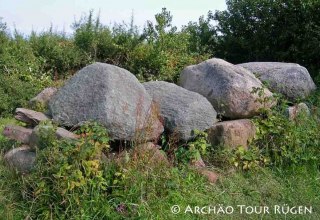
[(149, 192), (263, 187)]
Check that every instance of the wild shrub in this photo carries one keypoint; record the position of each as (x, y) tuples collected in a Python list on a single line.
[(21, 75), (60, 56), (70, 180), (279, 141), (93, 38), (165, 52), (288, 142), (183, 153)]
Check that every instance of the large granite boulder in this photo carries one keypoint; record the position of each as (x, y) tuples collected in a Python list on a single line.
[(111, 96), (289, 79), (21, 159), (182, 111), (229, 88)]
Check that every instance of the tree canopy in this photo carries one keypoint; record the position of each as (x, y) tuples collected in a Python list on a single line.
[(269, 30)]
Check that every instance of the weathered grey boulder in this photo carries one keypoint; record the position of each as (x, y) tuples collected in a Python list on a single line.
[(229, 88), (21, 159), (111, 96), (42, 99), (29, 116), (289, 79), (294, 111), (183, 111), (232, 133), (17, 133)]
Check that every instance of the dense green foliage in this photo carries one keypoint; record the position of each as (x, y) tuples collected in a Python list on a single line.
[(267, 30), (71, 181), (32, 62), (248, 30)]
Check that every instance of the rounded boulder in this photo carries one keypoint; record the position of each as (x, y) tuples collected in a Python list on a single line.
[(289, 79), (182, 111), (232, 90), (111, 96)]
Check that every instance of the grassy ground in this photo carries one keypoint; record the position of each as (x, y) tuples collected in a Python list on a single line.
[(152, 195), (261, 188)]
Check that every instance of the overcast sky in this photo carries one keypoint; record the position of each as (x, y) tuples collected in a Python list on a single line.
[(38, 15)]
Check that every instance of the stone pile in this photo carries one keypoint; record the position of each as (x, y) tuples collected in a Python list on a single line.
[(132, 111)]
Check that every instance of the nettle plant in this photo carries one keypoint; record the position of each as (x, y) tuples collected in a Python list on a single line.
[(193, 149), (70, 178), (278, 140), (248, 159), (283, 141)]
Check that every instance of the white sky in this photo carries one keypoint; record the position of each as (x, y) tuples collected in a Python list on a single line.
[(38, 15)]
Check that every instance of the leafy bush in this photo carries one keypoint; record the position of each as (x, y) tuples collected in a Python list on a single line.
[(184, 153), (59, 55), (288, 142), (70, 179), (279, 141), (166, 52), (159, 53), (21, 75), (263, 30)]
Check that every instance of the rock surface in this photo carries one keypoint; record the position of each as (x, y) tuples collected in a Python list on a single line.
[(228, 87), (295, 111), (42, 99), (148, 154), (152, 153), (21, 159), (289, 79), (232, 133), (197, 163), (182, 111), (30, 117), (17, 133), (62, 133), (111, 96), (211, 176)]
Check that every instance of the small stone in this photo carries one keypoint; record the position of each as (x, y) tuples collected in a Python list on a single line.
[(42, 132), (210, 175), (232, 133), (39, 133), (62, 133), (42, 99), (17, 133), (151, 153), (21, 159), (30, 117), (295, 111), (198, 163)]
